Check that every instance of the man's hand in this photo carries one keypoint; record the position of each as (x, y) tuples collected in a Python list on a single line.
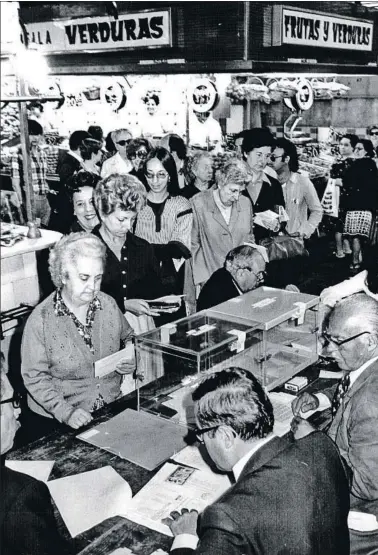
[(304, 403), (79, 418), (184, 523), (301, 428), (126, 366), (139, 307)]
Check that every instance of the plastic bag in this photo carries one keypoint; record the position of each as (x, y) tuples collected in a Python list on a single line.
[(330, 200)]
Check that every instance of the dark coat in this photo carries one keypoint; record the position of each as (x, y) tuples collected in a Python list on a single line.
[(360, 186), (61, 206), (292, 498), (270, 197), (141, 277), (27, 520), (218, 289)]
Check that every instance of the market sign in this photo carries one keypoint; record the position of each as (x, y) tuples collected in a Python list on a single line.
[(137, 30), (304, 28)]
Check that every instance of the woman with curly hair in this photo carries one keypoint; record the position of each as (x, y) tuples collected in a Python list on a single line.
[(80, 188), (131, 273), (70, 330)]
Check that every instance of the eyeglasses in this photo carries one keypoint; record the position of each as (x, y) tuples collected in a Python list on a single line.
[(141, 154), (273, 157), (374, 133), (15, 400), (199, 432), (160, 176), (338, 342), (123, 142)]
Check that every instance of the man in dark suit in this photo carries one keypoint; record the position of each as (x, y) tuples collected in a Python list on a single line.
[(243, 270), (289, 497), (351, 336), (27, 522)]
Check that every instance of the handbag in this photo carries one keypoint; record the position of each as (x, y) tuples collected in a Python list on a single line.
[(282, 247), (331, 199)]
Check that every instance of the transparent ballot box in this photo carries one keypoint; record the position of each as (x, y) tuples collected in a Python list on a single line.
[(289, 325), (174, 356)]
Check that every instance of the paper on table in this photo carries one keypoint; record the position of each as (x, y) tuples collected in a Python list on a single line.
[(108, 364), (174, 488), (363, 522), (89, 498), (37, 469), (191, 456), (283, 414), (265, 218), (331, 375)]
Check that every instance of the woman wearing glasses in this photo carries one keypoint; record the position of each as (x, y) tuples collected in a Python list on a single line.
[(119, 163), (264, 191), (166, 220), (361, 198)]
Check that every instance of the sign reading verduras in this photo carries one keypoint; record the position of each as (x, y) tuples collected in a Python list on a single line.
[(303, 28), (137, 30)]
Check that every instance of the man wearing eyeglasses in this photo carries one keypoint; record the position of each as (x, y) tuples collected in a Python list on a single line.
[(351, 337), (289, 497), (27, 521), (119, 163), (243, 270), (301, 199)]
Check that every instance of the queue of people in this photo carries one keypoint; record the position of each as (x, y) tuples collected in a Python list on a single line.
[(134, 232)]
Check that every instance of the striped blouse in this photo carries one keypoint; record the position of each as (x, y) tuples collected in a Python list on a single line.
[(175, 225)]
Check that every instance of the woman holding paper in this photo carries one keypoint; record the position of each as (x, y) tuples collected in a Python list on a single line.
[(67, 333), (222, 220)]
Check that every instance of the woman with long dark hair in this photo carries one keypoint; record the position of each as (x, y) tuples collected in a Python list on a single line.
[(166, 220)]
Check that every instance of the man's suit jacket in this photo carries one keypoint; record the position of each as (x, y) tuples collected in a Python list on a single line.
[(355, 431), (292, 498), (27, 520), (218, 289), (212, 238)]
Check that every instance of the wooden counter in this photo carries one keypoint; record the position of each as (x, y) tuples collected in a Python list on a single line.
[(73, 456)]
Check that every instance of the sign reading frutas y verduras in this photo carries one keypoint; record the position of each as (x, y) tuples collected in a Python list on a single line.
[(303, 28), (137, 30)]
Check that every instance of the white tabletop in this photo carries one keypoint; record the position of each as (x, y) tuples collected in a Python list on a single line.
[(48, 239)]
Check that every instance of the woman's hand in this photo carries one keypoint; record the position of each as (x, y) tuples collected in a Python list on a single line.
[(139, 307), (126, 366), (79, 418)]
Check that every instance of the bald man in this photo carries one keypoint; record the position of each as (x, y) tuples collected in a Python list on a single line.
[(351, 335), (243, 270)]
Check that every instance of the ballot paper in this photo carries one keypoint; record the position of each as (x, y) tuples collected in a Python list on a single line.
[(283, 414), (192, 456), (363, 522), (173, 488), (40, 470), (108, 364), (84, 500), (266, 218)]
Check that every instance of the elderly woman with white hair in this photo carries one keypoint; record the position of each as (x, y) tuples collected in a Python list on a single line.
[(67, 333), (119, 163), (200, 174), (222, 220)]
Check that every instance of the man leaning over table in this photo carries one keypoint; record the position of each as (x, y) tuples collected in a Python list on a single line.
[(289, 496), (351, 335)]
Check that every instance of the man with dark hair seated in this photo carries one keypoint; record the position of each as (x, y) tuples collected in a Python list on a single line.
[(243, 270), (27, 520), (289, 497)]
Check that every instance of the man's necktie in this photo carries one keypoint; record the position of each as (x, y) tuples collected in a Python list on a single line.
[(341, 389)]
